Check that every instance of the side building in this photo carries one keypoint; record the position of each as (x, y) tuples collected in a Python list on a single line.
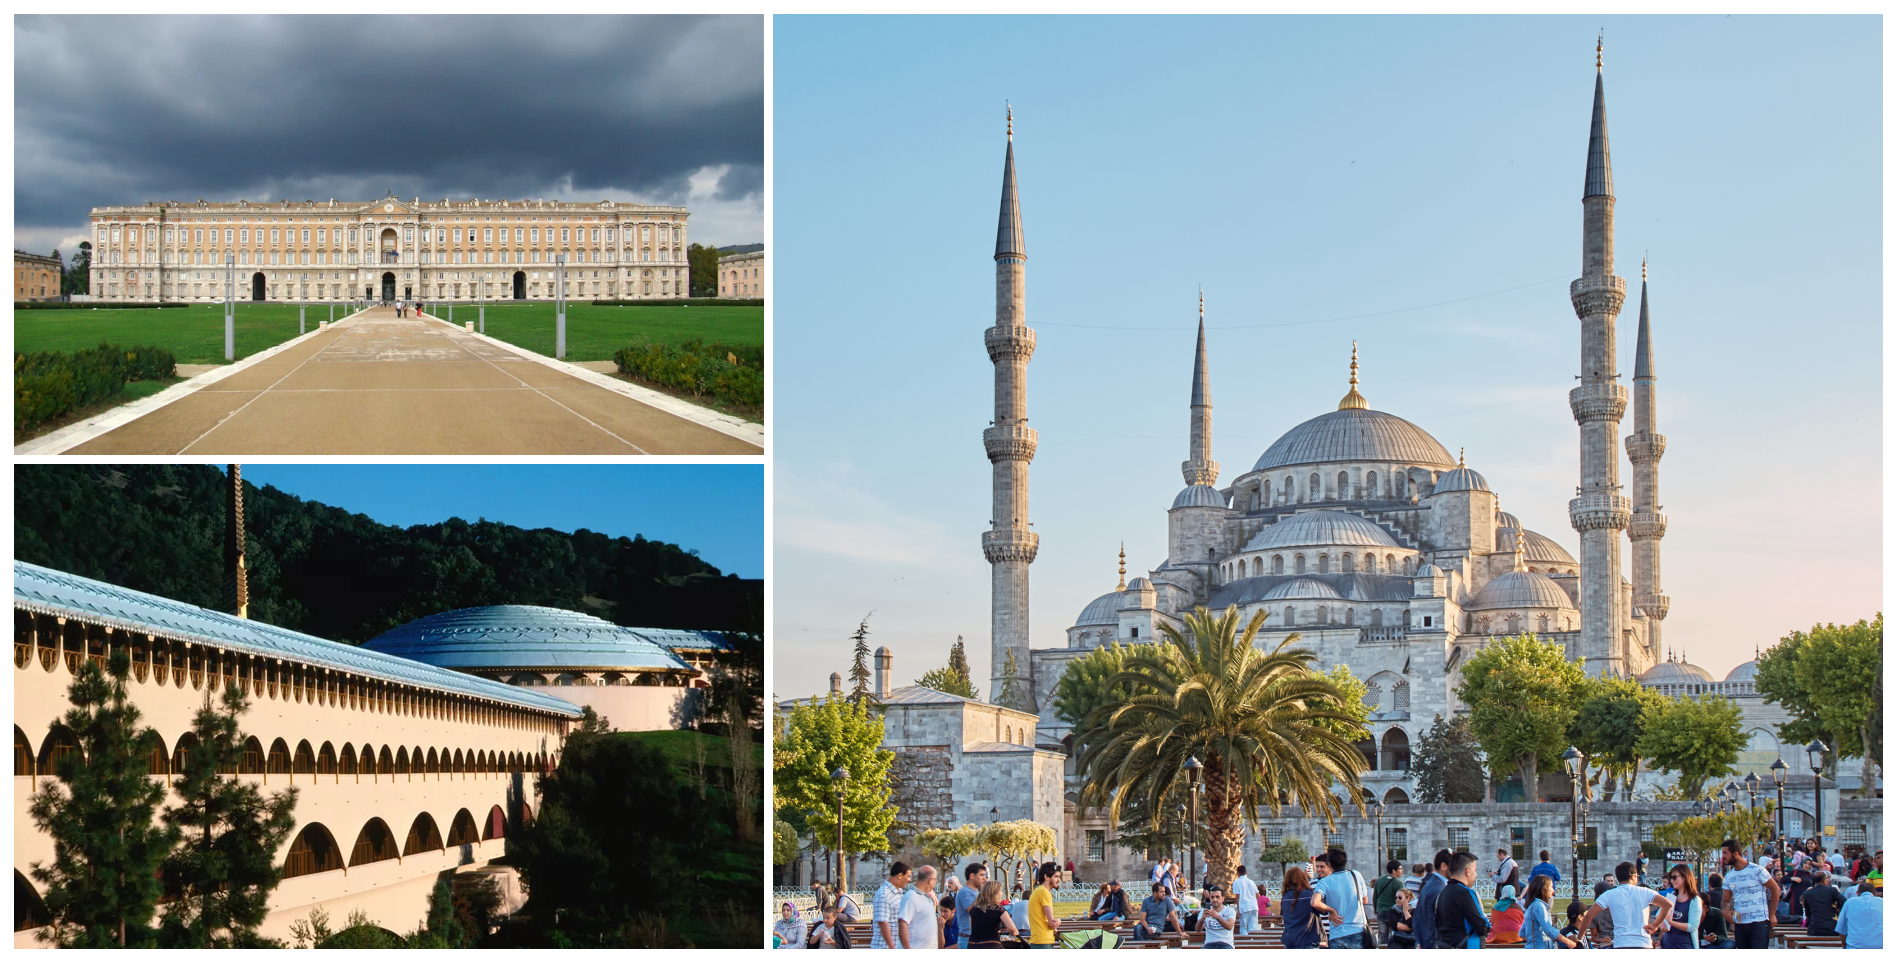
[(739, 272), (35, 277), (386, 249)]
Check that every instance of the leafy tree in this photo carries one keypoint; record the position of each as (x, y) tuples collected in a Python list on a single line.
[(786, 844), (1284, 853), (1702, 835), (78, 279), (1697, 737), (102, 886), (1253, 720), (956, 662), (862, 692), (948, 681), (950, 844), (1349, 703), (1011, 695), (1523, 694), (1829, 680), (1609, 725), (442, 929), (1012, 842), (226, 867), (820, 737), (1447, 764), (1087, 683), (703, 261)]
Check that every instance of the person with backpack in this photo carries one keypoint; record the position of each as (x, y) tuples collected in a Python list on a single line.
[(1346, 893), (1458, 921)]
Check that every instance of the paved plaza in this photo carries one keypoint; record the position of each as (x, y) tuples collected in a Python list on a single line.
[(377, 384)]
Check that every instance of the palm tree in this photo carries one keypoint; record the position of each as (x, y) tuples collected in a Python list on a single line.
[(1265, 727)]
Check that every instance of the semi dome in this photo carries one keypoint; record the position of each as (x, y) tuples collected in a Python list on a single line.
[(1199, 495), (1744, 673), (1427, 569), (1461, 480), (1514, 590), (1505, 520), (1674, 672), (1538, 547), (1303, 589), (1355, 435), (1323, 527), (521, 637), (1101, 611)]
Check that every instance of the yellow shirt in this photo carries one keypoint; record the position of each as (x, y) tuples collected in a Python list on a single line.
[(1041, 915)]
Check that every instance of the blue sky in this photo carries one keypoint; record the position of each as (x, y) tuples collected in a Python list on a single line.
[(716, 510), (1306, 169)]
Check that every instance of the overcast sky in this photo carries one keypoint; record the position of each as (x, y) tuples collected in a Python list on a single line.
[(121, 110)]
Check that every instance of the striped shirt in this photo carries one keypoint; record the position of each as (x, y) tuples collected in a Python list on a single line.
[(886, 909)]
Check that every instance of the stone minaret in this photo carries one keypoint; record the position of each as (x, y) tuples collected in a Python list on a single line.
[(1011, 545), (234, 564), (1647, 522), (1600, 512), (1201, 470)]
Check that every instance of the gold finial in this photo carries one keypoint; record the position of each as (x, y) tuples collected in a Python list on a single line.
[(1120, 567), (1462, 457), (1354, 399), (1600, 48), (1646, 266), (1199, 303), (1009, 104)]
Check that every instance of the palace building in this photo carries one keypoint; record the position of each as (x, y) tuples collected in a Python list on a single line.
[(739, 272), (391, 248), (35, 277)]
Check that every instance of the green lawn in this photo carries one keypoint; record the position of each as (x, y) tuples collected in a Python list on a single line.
[(680, 747), (594, 332), (195, 333)]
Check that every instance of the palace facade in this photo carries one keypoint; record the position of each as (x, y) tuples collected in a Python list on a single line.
[(391, 248), (35, 277)]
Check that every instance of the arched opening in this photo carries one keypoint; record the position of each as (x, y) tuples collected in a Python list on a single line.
[(256, 287), (423, 835), (251, 760), (387, 284), (183, 751), (375, 843), (463, 830), (400, 761), (1393, 748), (29, 909), (22, 754), (305, 760), (350, 764), (325, 759), (278, 757), (390, 246), (1396, 795), (460, 762), (157, 759), (387, 761), (1278, 565), (519, 286), (1366, 747), (433, 762), (312, 852), (60, 744), (495, 823)]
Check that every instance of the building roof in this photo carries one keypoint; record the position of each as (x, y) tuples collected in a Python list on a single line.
[(38, 589), (1323, 527), (1539, 548), (1302, 589), (1355, 435), (1743, 673), (1101, 611), (1521, 589), (1674, 672), (1199, 496), (1504, 519), (1461, 480), (509, 637)]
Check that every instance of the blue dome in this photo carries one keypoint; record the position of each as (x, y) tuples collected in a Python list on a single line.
[(522, 637), (1521, 589), (1302, 589), (1194, 496), (1324, 527), (1101, 611), (1356, 435), (1461, 480)]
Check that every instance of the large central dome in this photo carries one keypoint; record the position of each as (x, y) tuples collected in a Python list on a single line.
[(1356, 435), (503, 637)]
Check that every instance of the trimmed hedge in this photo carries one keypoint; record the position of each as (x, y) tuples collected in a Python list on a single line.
[(85, 305), (681, 301), (47, 385), (731, 374)]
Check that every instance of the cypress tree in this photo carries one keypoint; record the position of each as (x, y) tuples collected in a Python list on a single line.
[(859, 672), (223, 874), (102, 886)]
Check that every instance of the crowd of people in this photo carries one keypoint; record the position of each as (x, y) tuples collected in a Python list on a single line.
[(1437, 904)]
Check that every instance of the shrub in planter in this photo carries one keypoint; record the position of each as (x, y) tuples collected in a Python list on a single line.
[(47, 385)]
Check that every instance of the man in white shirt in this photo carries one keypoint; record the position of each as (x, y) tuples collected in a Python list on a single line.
[(1749, 897), (1245, 894), (1628, 904), (1159, 870), (1505, 872), (919, 919), (1217, 920)]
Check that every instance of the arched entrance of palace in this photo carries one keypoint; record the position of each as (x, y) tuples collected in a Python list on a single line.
[(519, 286), (387, 286), (256, 287)]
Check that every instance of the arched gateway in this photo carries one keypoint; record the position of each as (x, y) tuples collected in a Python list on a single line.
[(256, 287), (387, 286)]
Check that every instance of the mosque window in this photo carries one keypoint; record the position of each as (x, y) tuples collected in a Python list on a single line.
[(1242, 566), (1288, 489), (1373, 619), (1340, 486), (1314, 486), (1406, 618), (1350, 616), (1321, 563), (1347, 562), (1367, 563), (1321, 614), (1278, 565), (1288, 616), (1301, 564), (1373, 482), (1265, 494)]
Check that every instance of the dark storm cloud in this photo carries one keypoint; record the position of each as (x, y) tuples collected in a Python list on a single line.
[(121, 110)]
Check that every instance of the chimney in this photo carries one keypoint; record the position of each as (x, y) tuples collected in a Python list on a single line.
[(883, 671), (233, 542), (834, 685)]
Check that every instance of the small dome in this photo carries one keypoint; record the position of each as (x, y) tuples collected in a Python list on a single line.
[(1505, 520), (1302, 589), (1539, 548), (1513, 590), (1744, 673), (1138, 583), (1427, 569), (1461, 480), (1674, 672), (505, 637), (1199, 496), (1321, 528), (1101, 611)]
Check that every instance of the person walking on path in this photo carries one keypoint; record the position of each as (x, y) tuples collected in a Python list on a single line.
[(1219, 922), (1628, 904), (821, 896), (1546, 868), (1386, 889), (963, 906), (1682, 928), (1245, 893), (919, 921), (1749, 896), (1862, 919), (1424, 932), (1822, 904), (1044, 918), (1458, 922), (1538, 930), (887, 902)]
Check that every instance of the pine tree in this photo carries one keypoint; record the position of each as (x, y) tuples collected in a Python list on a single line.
[(102, 886), (1446, 764), (858, 673), (225, 870), (956, 660), (1010, 695)]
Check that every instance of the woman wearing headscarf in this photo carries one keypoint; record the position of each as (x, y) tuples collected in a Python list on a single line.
[(1507, 918), (790, 931)]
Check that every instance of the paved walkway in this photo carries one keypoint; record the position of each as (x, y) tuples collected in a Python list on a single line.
[(405, 386)]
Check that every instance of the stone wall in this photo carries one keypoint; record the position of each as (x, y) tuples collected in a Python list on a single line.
[(922, 779)]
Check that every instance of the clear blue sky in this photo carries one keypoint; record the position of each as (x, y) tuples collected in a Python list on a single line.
[(1304, 169), (716, 510)]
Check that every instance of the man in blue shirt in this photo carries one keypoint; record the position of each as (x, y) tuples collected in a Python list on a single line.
[(1544, 867), (963, 902), (1341, 890), (1423, 926), (1862, 918)]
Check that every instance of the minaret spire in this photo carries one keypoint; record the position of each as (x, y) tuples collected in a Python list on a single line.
[(1645, 449), (234, 557), (1010, 546), (1600, 512), (1201, 469), (1120, 567)]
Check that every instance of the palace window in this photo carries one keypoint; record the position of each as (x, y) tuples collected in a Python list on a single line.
[(565, 234)]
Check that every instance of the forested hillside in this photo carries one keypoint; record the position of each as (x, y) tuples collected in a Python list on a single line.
[(340, 575)]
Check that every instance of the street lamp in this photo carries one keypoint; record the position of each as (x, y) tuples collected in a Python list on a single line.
[(1780, 769), (1584, 818), (230, 308), (1817, 759), (840, 777), (1380, 837), (1195, 769), (559, 307), (995, 816), (1574, 766)]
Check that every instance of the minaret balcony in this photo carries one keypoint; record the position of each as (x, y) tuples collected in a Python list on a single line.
[(1010, 343), (1014, 443), (1648, 525), (1600, 511), (1598, 294), (1010, 545), (1200, 473), (1599, 402), (1644, 447), (1655, 607)]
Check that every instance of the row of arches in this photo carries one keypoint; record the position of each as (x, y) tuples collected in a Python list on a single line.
[(314, 849), (370, 761), (53, 642), (1322, 615), (1400, 484), (1369, 563), (1513, 623), (1392, 753)]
